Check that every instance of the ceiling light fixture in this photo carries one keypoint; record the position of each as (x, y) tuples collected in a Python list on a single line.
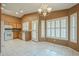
[(44, 10)]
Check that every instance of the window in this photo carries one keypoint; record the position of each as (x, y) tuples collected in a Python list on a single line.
[(26, 26), (57, 28), (52, 28), (73, 28), (35, 30), (64, 28), (42, 28), (48, 24)]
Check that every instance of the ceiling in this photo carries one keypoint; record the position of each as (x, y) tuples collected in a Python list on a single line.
[(19, 9)]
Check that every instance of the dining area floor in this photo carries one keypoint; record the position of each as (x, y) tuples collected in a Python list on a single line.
[(19, 47)]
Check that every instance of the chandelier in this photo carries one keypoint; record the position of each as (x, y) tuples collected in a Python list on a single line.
[(44, 10)]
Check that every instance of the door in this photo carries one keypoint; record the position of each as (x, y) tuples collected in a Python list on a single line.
[(35, 30)]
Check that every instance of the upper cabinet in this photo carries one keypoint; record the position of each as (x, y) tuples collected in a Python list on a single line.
[(19, 25)]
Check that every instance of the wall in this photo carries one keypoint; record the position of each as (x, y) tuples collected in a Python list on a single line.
[(0, 27), (61, 13), (14, 22), (53, 15), (29, 18), (56, 14), (71, 11)]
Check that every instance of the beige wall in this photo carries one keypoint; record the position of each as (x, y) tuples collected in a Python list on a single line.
[(71, 11), (0, 28), (30, 18), (53, 15)]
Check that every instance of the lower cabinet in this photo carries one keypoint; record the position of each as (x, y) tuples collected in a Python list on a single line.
[(16, 35), (26, 35)]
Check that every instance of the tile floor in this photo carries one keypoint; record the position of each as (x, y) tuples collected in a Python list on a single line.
[(30, 48)]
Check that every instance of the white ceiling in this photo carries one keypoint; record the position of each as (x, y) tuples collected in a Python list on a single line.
[(25, 8)]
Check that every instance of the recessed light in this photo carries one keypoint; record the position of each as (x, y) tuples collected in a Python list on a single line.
[(4, 5), (2, 8), (21, 11), (17, 13)]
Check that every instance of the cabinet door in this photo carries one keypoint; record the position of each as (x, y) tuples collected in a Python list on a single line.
[(18, 25), (23, 35)]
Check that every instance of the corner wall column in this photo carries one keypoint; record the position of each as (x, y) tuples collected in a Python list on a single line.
[(68, 29), (78, 26), (39, 28), (0, 28)]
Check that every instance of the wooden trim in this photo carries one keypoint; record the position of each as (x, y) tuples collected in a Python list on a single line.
[(10, 16), (0, 28), (33, 13), (78, 27)]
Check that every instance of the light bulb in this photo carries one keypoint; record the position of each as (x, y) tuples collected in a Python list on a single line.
[(2, 8), (4, 5), (44, 14), (40, 10), (21, 11), (17, 13), (49, 10)]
